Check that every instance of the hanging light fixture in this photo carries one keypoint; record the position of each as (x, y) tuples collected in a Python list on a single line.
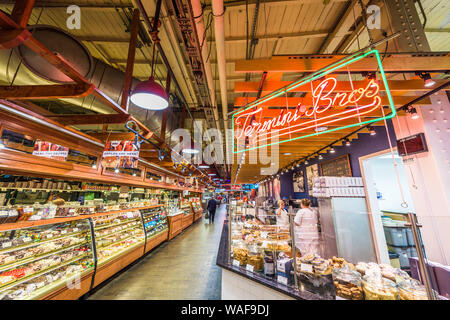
[(426, 77), (332, 150), (116, 170), (149, 94), (413, 112), (94, 166), (320, 157), (203, 166), (372, 131), (347, 143), (306, 162)]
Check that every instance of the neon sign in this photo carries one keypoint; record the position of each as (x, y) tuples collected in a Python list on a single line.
[(323, 110)]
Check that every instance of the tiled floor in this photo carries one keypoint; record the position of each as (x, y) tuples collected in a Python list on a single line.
[(183, 268)]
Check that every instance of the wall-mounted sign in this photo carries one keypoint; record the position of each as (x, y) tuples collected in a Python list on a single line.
[(121, 154), (50, 150), (330, 104), (412, 145)]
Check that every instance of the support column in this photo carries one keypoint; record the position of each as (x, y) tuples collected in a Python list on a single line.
[(428, 173)]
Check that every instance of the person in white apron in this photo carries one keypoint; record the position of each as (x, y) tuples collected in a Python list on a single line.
[(307, 238), (282, 216)]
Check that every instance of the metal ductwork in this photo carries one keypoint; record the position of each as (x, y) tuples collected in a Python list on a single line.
[(32, 70)]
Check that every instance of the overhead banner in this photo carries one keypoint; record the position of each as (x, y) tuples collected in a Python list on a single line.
[(50, 150), (120, 154), (333, 101)]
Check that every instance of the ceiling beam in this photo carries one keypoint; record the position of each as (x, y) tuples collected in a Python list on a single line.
[(77, 119), (392, 63), (342, 86)]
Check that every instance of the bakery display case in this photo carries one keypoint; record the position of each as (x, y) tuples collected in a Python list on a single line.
[(36, 261), (116, 234), (188, 215)]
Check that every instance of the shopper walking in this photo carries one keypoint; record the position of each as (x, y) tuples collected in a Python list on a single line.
[(307, 229), (212, 205)]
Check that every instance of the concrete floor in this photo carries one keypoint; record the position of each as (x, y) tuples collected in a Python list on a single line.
[(183, 268)]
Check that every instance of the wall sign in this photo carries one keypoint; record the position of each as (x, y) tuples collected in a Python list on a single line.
[(327, 107), (338, 167), (412, 145), (120, 154), (50, 150)]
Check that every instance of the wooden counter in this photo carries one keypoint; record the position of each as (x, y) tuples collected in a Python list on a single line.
[(198, 214), (187, 220), (175, 225), (156, 240), (65, 293)]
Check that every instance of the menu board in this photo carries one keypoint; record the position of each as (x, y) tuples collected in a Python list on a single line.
[(50, 150), (339, 167), (120, 154)]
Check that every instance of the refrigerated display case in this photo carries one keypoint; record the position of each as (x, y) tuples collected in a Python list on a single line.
[(116, 234), (36, 262), (156, 227)]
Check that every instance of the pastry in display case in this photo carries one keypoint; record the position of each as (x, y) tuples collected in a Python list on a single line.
[(36, 261), (117, 233), (155, 221)]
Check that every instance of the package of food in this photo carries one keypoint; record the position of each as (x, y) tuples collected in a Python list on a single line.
[(347, 283), (376, 287), (412, 289)]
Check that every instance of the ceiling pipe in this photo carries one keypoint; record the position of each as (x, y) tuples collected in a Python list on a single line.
[(197, 11), (219, 30)]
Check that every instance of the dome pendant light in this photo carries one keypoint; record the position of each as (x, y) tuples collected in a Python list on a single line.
[(149, 94)]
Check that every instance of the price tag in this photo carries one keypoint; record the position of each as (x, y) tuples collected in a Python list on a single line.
[(306, 267), (26, 239), (282, 280), (129, 214), (75, 229), (40, 284), (6, 244), (49, 236), (64, 232), (264, 234), (19, 189), (33, 190), (250, 268), (236, 263)]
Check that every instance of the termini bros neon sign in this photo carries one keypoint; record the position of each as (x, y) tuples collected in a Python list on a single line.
[(328, 108)]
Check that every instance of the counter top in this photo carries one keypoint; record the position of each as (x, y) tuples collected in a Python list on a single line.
[(222, 261)]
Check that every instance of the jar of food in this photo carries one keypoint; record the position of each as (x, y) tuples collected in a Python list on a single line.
[(347, 283), (269, 265), (412, 289), (379, 288)]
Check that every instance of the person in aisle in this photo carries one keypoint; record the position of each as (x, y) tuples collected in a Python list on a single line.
[(282, 215), (212, 205), (307, 237)]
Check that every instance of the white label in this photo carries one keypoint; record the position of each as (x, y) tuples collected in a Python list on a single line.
[(264, 234), (236, 263), (306, 267), (49, 236), (7, 244), (282, 280), (129, 214), (250, 268), (64, 232), (40, 284), (75, 229), (26, 239), (72, 210)]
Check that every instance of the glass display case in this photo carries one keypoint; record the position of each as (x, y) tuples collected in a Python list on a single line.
[(38, 260), (155, 221), (117, 233)]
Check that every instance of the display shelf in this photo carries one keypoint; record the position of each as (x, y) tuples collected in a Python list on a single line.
[(110, 225), (28, 224), (9, 266), (116, 232), (37, 243), (44, 271), (119, 253)]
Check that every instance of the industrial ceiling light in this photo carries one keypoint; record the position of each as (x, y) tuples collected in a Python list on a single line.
[(116, 170), (372, 131), (190, 149), (332, 150), (320, 157), (427, 79), (203, 166), (347, 143), (94, 166), (306, 162), (134, 174), (413, 112), (287, 153), (211, 174), (150, 95), (298, 165)]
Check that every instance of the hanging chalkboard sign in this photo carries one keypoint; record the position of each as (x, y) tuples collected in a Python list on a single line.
[(338, 167)]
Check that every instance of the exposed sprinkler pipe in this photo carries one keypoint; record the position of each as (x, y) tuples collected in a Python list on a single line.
[(197, 11), (219, 30)]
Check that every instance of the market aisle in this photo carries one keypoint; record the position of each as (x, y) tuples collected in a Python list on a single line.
[(183, 268)]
